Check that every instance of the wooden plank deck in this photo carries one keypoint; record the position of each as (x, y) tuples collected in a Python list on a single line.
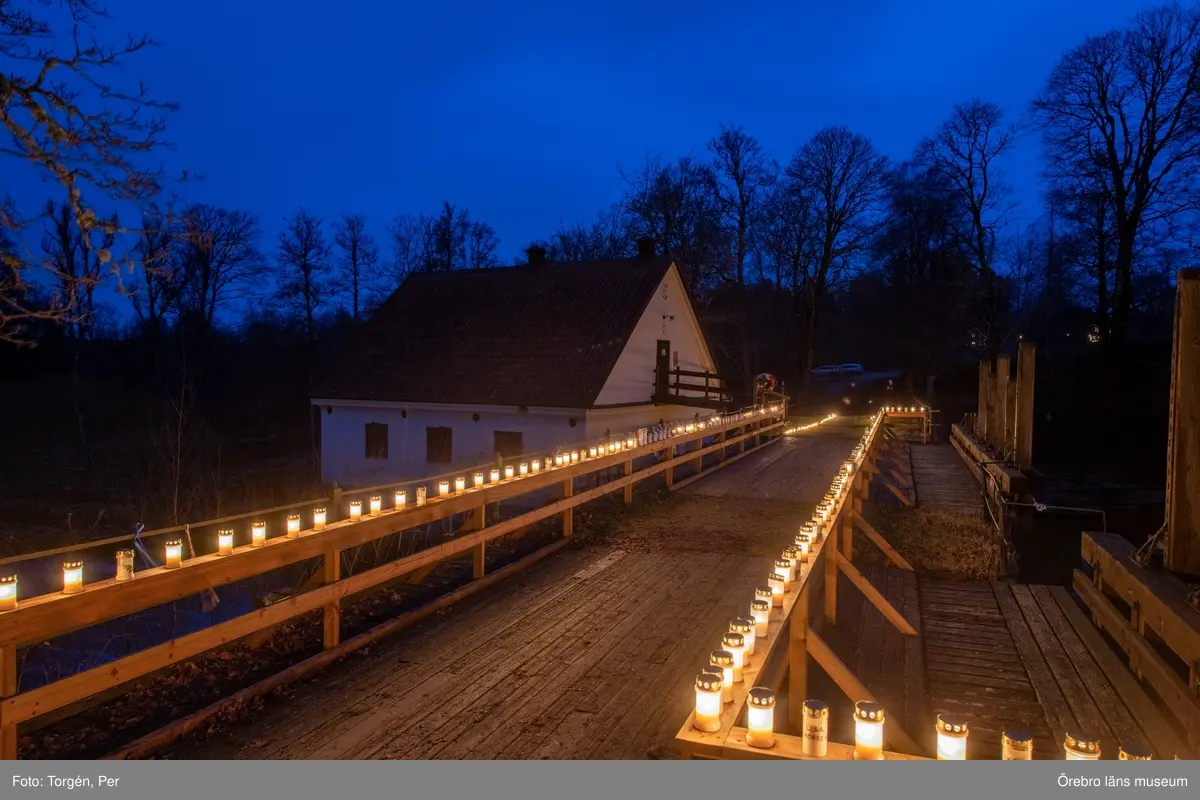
[(590, 654), (942, 480)]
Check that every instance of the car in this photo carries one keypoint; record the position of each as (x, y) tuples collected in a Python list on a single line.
[(852, 369), (828, 369)]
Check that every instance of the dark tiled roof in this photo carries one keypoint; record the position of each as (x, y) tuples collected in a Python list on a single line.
[(533, 336)]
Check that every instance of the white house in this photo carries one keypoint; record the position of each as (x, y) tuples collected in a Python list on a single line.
[(458, 366)]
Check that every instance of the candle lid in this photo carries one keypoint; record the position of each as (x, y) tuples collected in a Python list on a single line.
[(762, 592), (816, 708), (782, 563), (120, 554), (721, 658), (761, 697), (175, 543), (261, 524), (733, 640), (1018, 739), (791, 553), (868, 711), (709, 682), (9, 578), (1135, 751), (225, 532), (803, 538), (376, 497), (951, 724), (760, 605), (297, 516), (713, 668), (318, 511), (359, 502), (72, 565), (1084, 743), (741, 626)]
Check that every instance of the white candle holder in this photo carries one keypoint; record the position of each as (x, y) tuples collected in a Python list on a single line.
[(1134, 751), (776, 582), (173, 554), (760, 610), (508, 473), (784, 567), (951, 738), (814, 727), (258, 534), (8, 592), (709, 689), (225, 542), (1016, 745), (592, 452), (443, 488), (124, 565), (868, 731), (760, 717), (376, 505), (536, 465), (72, 577), (494, 476), (401, 499), (460, 484), (478, 479), (735, 644), (1079, 747), (319, 519), (422, 491), (355, 510), (746, 628), (574, 456), (293, 526), (723, 659)]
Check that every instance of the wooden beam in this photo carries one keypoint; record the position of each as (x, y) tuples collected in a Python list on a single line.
[(981, 418), (791, 748), (1026, 365), (478, 560), (568, 515), (1176, 695), (891, 487), (628, 496), (1000, 399), (1183, 438), (878, 600), (829, 551), (798, 659), (848, 682), (331, 569), (883, 544), (847, 522)]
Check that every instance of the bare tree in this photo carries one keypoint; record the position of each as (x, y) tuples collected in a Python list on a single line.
[(480, 243), (411, 238), (61, 247), (74, 127), (605, 238), (304, 269), (156, 296), (842, 179), (964, 155), (1122, 109), (360, 258), (219, 258)]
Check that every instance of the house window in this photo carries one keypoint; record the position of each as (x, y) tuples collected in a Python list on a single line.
[(439, 445), (377, 440), (508, 443)]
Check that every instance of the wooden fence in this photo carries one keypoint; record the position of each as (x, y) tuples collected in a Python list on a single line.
[(39, 618)]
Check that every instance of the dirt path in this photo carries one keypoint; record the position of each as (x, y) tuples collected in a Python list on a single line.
[(587, 655)]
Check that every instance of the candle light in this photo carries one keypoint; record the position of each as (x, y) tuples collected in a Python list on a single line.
[(421, 492), (460, 484), (630, 442), (174, 554), (783, 567), (1079, 747), (1016, 745), (355, 510), (760, 717), (803, 542), (8, 592), (792, 556), (72, 577), (536, 465), (318, 519), (258, 534), (709, 688), (293, 526), (745, 627), (508, 472), (735, 644), (592, 452), (951, 738), (775, 581), (401, 498), (376, 505), (724, 660), (494, 476), (224, 542), (814, 726), (868, 731), (760, 610), (523, 468), (574, 456), (443, 488), (124, 565), (478, 479), (1134, 751)]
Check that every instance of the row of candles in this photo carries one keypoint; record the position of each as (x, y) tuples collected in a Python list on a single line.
[(809, 426), (903, 409), (714, 685), (173, 549)]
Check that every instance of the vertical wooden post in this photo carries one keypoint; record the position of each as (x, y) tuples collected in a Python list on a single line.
[(798, 659), (830, 550), (852, 507), (985, 374), (670, 471), (629, 486), (1183, 437), (478, 556), (721, 452), (1000, 398), (1026, 362), (332, 573), (568, 517), (8, 688), (334, 512)]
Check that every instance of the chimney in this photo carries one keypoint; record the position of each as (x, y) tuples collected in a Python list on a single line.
[(536, 255), (645, 247)]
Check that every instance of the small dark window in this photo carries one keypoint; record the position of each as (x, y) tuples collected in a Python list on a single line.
[(508, 443), (439, 445), (377, 440)]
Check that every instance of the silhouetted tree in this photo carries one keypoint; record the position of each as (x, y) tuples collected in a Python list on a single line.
[(218, 259), (359, 259), (304, 269)]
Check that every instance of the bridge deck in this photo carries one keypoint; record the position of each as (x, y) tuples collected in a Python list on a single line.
[(942, 481), (588, 655), (1001, 655)]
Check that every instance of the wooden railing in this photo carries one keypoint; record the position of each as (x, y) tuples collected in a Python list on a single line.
[(794, 634), (54, 613), (670, 388)]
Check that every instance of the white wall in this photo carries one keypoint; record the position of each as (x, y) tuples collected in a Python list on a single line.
[(630, 418), (343, 438), (669, 316)]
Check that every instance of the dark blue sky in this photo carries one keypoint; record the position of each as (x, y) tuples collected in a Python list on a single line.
[(523, 114)]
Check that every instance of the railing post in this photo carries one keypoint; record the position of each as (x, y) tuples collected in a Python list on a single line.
[(721, 452), (628, 494), (848, 525), (670, 471), (334, 513), (568, 517), (8, 688), (478, 560), (831, 573), (332, 573), (798, 660)]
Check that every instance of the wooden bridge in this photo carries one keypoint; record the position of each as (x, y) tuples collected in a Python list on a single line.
[(585, 643)]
